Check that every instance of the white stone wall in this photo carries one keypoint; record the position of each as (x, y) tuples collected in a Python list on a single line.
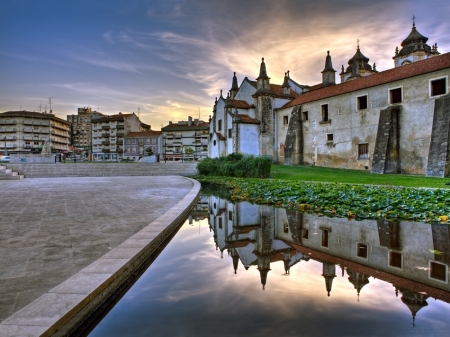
[(351, 127)]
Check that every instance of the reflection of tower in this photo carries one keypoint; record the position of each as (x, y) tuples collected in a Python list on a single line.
[(287, 260), (414, 301), (264, 240), (358, 280), (235, 257), (329, 273)]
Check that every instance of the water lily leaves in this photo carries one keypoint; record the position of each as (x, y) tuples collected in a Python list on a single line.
[(344, 200)]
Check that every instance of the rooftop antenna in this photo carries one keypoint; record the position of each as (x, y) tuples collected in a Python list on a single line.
[(45, 105), (198, 111), (139, 111), (50, 102), (98, 108), (40, 106)]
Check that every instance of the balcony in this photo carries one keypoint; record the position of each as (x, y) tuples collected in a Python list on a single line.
[(27, 130), (28, 122), (36, 123), (119, 149), (105, 142), (10, 146), (45, 131), (45, 123), (10, 122), (106, 135), (105, 150), (119, 142), (105, 127), (119, 134), (120, 127)]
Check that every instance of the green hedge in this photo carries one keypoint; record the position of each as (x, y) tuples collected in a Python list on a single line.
[(236, 165)]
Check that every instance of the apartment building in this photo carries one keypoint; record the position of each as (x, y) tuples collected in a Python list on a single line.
[(108, 134), (137, 143), (26, 132), (80, 127), (185, 140)]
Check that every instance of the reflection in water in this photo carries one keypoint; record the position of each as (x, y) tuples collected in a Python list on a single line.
[(344, 278)]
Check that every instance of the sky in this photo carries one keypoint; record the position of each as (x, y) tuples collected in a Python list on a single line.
[(168, 59)]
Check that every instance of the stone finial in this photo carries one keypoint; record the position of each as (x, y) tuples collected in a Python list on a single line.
[(374, 67), (262, 70), (221, 93), (396, 51)]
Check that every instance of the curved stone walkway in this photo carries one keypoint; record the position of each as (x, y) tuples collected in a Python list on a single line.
[(50, 229)]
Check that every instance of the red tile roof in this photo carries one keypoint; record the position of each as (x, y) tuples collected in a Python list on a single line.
[(236, 103), (410, 70), (275, 89), (245, 119), (144, 134), (32, 114), (118, 117), (220, 136), (193, 126)]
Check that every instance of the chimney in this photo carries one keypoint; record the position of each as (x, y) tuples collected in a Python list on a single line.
[(170, 122), (189, 121)]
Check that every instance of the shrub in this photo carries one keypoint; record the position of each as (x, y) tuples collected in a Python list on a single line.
[(236, 165)]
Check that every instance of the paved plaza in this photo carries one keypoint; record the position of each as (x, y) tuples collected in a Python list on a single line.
[(51, 228)]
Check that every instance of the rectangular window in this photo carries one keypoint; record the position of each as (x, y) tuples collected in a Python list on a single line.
[(134, 140), (286, 228), (220, 223), (363, 151), (330, 137), (395, 259), (305, 234), (395, 95), (285, 120), (305, 115), (362, 102), (324, 109), (219, 125), (438, 87), (230, 133), (361, 250), (325, 237), (437, 271), (230, 215)]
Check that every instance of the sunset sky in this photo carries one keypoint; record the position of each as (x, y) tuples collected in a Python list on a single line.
[(170, 58)]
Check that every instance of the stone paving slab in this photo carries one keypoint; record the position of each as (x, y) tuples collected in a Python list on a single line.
[(60, 246)]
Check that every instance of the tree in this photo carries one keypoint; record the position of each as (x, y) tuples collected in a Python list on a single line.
[(188, 150), (149, 151)]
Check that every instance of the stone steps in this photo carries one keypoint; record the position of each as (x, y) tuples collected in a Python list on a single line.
[(9, 174), (99, 170)]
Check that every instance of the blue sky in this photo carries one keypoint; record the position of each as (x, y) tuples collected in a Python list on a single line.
[(170, 58)]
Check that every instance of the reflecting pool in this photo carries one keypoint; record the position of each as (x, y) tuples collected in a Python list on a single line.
[(251, 270)]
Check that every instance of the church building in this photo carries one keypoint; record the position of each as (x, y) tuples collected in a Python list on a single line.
[(393, 121)]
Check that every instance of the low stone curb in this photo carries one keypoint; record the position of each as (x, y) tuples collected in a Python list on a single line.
[(61, 309)]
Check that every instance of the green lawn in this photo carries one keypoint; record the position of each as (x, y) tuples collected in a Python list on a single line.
[(323, 174)]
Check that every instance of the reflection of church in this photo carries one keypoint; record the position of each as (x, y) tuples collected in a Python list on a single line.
[(398, 253)]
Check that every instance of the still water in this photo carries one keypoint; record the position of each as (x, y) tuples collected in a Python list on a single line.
[(252, 270)]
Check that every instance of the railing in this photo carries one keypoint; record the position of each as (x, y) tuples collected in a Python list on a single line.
[(28, 122), (119, 142), (27, 130), (119, 134), (105, 135), (106, 127), (105, 150), (105, 142), (10, 122), (120, 127)]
